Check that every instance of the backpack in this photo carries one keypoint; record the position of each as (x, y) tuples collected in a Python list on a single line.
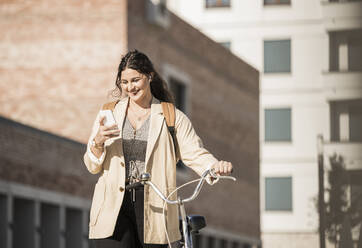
[(168, 110)]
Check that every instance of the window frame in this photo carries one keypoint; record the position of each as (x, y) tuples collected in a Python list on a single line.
[(170, 71), (265, 194), (11, 192), (346, 108), (265, 72), (291, 125)]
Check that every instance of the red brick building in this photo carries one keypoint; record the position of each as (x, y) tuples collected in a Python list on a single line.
[(58, 63)]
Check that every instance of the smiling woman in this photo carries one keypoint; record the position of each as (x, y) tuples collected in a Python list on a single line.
[(136, 66), (140, 142)]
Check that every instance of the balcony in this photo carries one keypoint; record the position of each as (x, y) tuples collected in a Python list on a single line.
[(342, 14), (344, 78), (342, 85), (351, 152)]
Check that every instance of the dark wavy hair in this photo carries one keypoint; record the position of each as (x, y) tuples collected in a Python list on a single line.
[(140, 62)]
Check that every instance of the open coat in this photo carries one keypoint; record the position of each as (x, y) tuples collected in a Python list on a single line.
[(160, 163)]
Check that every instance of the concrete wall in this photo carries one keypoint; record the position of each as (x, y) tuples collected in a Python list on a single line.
[(307, 90)]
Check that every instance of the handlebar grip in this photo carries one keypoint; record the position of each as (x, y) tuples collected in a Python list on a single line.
[(134, 186)]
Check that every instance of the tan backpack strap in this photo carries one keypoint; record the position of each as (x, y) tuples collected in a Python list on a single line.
[(110, 105), (168, 110), (169, 113)]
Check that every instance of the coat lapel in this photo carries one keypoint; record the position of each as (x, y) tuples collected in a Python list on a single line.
[(155, 128), (119, 114)]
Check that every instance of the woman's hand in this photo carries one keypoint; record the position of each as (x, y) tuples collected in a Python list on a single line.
[(102, 135), (223, 168)]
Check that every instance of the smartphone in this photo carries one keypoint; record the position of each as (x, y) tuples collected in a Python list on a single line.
[(109, 120)]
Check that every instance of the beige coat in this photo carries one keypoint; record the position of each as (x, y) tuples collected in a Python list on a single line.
[(159, 162)]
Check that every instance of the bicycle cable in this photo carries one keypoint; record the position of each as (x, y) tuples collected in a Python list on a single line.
[(164, 207)]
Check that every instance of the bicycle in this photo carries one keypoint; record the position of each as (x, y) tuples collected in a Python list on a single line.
[(190, 224)]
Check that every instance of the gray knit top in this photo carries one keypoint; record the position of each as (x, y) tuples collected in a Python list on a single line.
[(134, 148)]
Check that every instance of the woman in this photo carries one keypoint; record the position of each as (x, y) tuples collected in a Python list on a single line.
[(140, 142)]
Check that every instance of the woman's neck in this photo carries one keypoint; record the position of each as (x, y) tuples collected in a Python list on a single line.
[(144, 103)]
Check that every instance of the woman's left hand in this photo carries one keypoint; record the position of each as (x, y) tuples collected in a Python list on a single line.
[(223, 168)]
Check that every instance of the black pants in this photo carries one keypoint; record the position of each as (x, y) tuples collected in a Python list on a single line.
[(128, 232)]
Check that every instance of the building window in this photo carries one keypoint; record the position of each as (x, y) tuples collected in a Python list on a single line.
[(179, 84), (24, 223), (39, 218), (276, 2), (226, 44), (74, 228), (156, 13), (278, 194), (345, 48), (50, 225), (346, 120), (278, 125), (178, 90), (277, 56), (217, 3)]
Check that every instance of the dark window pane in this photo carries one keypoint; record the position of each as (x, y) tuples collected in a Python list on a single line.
[(74, 231), (278, 194), (277, 56), (222, 243), (50, 226), (346, 120), (278, 125), (355, 55), (235, 244), (355, 123), (3, 220), (24, 223), (211, 242), (274, 2), (178, 90)]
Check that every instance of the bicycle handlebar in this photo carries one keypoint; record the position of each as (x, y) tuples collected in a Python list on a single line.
[(134, 185), (145, 179)]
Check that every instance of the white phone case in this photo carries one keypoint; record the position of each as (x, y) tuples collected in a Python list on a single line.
[(109, 120)]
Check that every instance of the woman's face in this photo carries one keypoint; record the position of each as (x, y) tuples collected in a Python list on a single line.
[(136, 85)]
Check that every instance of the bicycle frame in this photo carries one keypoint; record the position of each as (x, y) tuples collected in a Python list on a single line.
[(145, 180)]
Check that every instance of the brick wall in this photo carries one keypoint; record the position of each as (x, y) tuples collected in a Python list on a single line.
[(34, 157), (58, 61)]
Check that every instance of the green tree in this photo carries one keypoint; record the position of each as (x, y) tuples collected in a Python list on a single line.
[(337, 201), (340, 214)]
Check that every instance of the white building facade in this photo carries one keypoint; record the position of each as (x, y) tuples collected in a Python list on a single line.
[(309, 55)]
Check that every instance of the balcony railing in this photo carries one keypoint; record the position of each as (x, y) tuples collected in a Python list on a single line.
[(342, 14), (350, 151), (343, 1)]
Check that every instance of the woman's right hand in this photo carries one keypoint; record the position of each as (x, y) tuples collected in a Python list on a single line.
[(105, 132)]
